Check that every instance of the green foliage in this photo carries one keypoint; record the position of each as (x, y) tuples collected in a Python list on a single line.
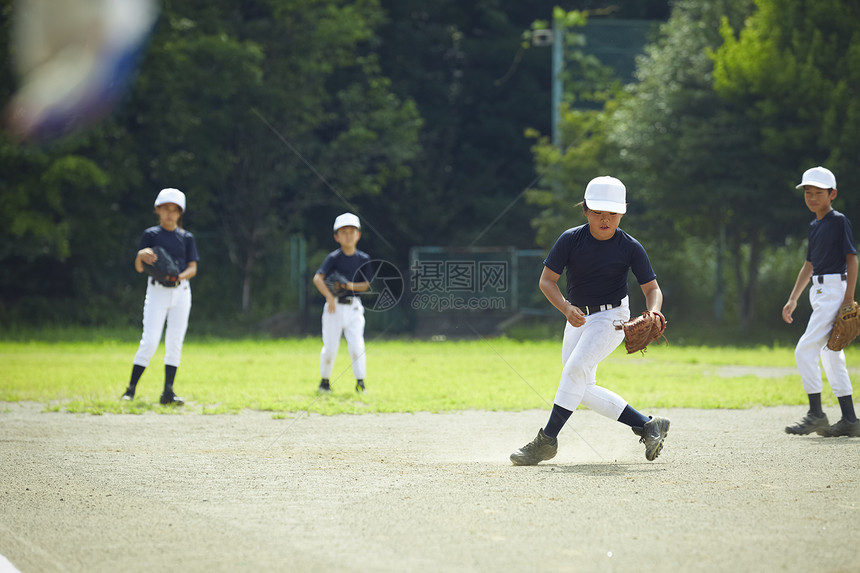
[(266, 100), (679, 149), (790, 69), (223, 98), (280, 376), (567, 171), (38, 196), (477, 90), (584, 152), (704, 143), (273, 115), (699, 160)]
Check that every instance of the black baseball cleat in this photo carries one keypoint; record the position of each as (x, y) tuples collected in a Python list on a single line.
[(359, 386), (171, 399), (540, 449), (809, 424), (129, 395), (843, 428), (653, 433), (325, 387)]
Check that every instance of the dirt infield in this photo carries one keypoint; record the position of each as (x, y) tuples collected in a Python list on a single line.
[(422, 492)]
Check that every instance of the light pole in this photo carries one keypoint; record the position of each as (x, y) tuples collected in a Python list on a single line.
[(554, 38)]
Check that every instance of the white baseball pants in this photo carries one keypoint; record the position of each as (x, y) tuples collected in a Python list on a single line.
[(161, 304), (582, 349), (348, 319), (826, 300)]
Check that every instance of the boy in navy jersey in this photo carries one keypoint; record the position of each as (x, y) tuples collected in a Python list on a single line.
[(597, 257), (344, 315), (168, 303), (831, 264)]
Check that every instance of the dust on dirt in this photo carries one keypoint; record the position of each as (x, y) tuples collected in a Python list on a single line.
[(422, 492)]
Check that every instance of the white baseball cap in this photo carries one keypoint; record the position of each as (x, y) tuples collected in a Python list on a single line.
[(606, 194), (818, 177), (346, 220), (171, 196)]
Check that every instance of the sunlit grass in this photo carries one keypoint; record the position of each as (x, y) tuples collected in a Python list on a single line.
[(281, 376)]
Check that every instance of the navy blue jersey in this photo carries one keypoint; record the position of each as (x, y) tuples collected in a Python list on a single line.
[(830, 240), (179, 243), (597, 270), (351, 266)]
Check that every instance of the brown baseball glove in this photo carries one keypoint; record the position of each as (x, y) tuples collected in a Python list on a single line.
[(846, 327), (641, 331)]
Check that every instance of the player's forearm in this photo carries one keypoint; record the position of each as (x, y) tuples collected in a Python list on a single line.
[(653, 295), (803, 278), (358, 287), (553, 294), (654, 299), (850, 278), (319, 282), (189, 272), (138, 261)]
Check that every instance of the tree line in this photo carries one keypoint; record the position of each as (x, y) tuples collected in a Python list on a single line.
[(431, 121), (733, 100)]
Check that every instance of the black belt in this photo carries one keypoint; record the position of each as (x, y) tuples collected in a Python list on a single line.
[(598, 307), (345, 300), (168, 285), (820, 278)]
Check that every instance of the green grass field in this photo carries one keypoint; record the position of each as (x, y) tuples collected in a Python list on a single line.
[(281, 376)]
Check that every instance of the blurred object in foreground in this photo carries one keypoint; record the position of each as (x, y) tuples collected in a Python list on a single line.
[(74, 59)]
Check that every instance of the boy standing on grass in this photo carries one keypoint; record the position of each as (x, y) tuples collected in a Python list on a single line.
[(598, 257), (344, 315), (165, 302), (831, 263)]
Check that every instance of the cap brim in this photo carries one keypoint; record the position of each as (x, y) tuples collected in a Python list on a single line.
[(610, 206), (813, 184)]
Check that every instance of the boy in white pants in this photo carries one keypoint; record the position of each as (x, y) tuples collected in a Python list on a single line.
[(344, 314), (165, 302), (596, 257), (831, 264)]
